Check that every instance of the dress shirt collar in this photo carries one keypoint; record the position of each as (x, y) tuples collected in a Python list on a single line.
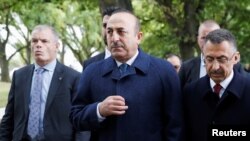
[(130, 61), (202, 60), (107, 53), (203, 71), (49, 67), (224, 83)]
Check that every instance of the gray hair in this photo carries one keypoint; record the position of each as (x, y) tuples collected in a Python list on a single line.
[(43, 27), (219, 35)]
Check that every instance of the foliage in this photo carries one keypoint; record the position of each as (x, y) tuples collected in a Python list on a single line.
[(69, 18), (168, 26), (157, 41), (171, 26), (234, 17)]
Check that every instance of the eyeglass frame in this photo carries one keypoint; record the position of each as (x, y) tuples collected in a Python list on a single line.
[(221, 60)]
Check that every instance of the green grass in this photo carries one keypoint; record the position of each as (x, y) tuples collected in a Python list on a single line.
[(4, 91)]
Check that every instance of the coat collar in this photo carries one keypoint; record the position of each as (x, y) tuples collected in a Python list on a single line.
[(140, 64), (235, 88)]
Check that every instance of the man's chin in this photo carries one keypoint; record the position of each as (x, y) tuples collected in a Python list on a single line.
[(118, 57), (217, 79)]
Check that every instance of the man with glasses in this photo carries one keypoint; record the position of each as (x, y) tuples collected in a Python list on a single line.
[(218, 104), (194, 68)]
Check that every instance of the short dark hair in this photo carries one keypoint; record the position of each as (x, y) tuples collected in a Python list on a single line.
[(109, 10), (219, 35), (122, 10)]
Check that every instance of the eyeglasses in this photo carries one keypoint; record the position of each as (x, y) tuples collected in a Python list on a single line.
[(220, 60)]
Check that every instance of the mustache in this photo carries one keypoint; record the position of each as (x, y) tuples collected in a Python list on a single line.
[(116, 44), (216, 72)]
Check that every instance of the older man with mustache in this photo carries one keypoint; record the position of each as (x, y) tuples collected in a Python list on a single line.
[(218, 102), (131, 95)]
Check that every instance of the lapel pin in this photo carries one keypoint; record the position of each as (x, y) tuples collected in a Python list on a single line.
[(60, 78)]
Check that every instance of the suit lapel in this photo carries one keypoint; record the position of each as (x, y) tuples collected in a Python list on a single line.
[(196, 69), (27, 83), (54, 85)]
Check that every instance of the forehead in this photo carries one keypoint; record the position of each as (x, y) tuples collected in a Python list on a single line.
[(121, 20), (204, 30), (105, 19), (42, 33), (174, 60), (223, 48)]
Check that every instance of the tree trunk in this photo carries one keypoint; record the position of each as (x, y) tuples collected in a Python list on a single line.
[(28, 52), (4, 65), (4, 62), (186, 49), (188, 34), (62, 54), (185, 28)]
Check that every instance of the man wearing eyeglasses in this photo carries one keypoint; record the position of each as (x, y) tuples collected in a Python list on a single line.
[(217, 105), (193, 69)]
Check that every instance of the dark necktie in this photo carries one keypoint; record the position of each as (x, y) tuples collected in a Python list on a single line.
[(123, 68), (35, 104), (217, 89)]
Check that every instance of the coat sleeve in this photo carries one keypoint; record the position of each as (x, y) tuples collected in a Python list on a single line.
[(7, 123), (83, 113), (173, 113)]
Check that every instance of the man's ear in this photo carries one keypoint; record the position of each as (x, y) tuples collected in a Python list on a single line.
[(237, 57), (139, 37)]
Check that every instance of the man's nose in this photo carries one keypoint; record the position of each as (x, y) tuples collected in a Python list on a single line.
[(215, 65), (116, 36), (38, 44)]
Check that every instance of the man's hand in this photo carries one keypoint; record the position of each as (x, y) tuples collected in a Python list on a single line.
[(112, 105)]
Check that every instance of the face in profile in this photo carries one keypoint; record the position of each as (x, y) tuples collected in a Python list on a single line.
[(122, 37), (104, 26), (44, 46), (203, 33), (219, 60)]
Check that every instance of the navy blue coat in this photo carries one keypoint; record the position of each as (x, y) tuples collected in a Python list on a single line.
[(151, 90), (204, 111)]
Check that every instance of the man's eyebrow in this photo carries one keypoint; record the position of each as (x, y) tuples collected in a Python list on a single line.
[(117, 28)]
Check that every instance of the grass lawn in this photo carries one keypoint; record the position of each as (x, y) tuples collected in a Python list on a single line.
[(4, 90)]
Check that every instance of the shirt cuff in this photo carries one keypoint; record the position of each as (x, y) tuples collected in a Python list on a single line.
[(100, 118)]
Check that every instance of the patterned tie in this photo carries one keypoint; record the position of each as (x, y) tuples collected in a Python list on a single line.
[(123, 68), (35, 103), (217, 89)]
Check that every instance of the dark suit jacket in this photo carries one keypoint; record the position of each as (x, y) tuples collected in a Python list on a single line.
[(151, 90), (57, 126), (190, 70), (203, 109), (96, 58)]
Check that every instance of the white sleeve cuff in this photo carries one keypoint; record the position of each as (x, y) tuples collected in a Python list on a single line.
[(100, 118)]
